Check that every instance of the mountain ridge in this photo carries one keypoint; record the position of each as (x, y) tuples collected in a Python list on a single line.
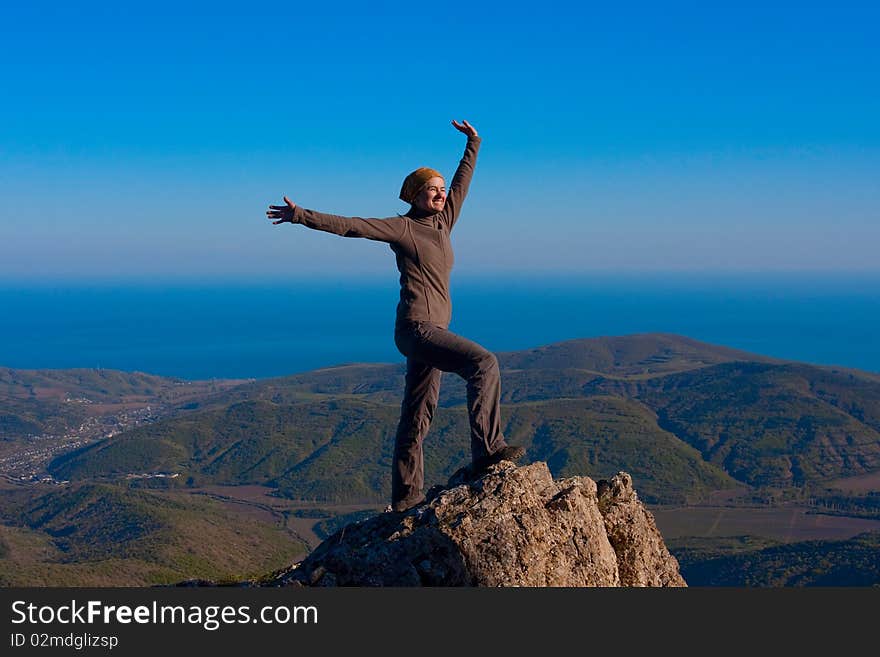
[(762, 422)]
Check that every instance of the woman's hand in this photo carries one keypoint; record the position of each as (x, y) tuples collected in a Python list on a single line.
[(283, 213), (465, 127)]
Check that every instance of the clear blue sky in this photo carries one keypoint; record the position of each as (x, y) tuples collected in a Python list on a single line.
[(147, 139)]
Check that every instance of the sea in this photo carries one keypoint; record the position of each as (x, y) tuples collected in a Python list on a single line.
[(248, 328)]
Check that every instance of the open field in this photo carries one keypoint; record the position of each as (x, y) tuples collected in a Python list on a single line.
[(258, 502), (788, 524), (859, 484), (263, 495)]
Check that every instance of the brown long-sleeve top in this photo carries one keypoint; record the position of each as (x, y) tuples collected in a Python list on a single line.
[(420, 242)]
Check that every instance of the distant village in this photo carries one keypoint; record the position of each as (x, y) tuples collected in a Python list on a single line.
[(28, 464)]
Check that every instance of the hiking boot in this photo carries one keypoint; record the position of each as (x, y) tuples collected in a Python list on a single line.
[(507, 453), (407, 503)]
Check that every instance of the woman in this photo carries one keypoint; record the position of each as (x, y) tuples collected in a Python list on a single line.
[(420, 241)]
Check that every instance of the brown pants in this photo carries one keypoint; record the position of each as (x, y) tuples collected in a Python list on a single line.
[(431, 350)]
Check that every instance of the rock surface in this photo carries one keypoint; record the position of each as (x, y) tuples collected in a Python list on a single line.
[(514, 526)]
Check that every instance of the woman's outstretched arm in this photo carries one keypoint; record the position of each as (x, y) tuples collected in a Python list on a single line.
[(461, 181), (383, 230)]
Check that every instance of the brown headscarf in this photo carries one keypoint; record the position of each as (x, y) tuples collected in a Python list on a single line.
[(414, 182)]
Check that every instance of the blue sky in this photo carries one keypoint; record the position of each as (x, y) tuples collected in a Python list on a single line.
[(146, 140)]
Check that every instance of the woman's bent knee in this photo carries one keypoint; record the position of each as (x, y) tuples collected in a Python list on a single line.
[(481, 365), (488, 362)]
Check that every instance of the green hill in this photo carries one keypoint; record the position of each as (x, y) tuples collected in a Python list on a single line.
[(556, 370), (55, 402), (96, 384), (637, 355), (767, 425), (254, 442), (97, 535), (683, 417), (340, 451)]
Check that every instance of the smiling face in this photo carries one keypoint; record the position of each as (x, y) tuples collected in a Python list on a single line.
[(432, 196)]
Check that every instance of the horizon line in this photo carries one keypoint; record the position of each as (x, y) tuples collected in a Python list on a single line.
[(391, 276)]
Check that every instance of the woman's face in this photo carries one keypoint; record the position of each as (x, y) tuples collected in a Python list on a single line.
[(432, 197)]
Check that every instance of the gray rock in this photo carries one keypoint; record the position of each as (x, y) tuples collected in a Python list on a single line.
[(514, 526), (642, 557)]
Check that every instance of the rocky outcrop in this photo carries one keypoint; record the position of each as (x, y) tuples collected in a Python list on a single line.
[(514, 526), (642, 557)]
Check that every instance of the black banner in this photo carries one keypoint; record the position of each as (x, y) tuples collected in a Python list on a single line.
[(228, 620)]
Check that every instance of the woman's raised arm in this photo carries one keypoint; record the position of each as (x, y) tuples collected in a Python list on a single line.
[(461, 181), (384, 230)]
